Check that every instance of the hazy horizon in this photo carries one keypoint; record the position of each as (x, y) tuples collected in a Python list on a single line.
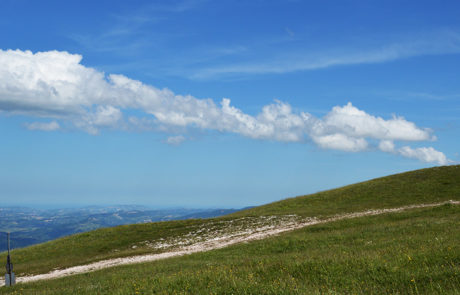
[(221, 104)]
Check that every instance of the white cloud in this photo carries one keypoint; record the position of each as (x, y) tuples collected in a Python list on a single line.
[(102, 116), (275, 122), (49, 126), (55, 85), (354, 122), (175, 140), (425, 154), (342, 142), (387, 146)]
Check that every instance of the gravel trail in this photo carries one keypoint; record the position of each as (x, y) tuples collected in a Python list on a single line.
[(220, 241)]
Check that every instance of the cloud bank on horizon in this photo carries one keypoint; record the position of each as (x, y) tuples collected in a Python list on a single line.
[(56, 88)]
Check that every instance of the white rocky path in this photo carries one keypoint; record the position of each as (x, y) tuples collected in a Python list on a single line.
[(288, 223)]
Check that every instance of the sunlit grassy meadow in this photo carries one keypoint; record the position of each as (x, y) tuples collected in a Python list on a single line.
[(412, 252)]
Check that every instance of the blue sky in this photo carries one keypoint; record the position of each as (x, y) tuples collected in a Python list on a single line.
[(205, 103)]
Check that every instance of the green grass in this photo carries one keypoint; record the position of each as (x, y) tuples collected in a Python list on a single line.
[(415, 187), (421, 186), (413, 252), (95, 245)]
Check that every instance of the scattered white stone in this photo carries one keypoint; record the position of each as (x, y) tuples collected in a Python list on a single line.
[(246, 229)]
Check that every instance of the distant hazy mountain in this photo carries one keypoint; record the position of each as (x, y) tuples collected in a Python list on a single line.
[(30, 226)]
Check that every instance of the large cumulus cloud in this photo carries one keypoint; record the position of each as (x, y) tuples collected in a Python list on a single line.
[(55, 85)]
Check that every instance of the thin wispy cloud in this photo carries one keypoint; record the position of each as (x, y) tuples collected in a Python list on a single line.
[(175, 140), (432, 96), (43, 126), (156, 11), (175, 6), (430, 43), (141, 37), (55, 85), (128, 33)]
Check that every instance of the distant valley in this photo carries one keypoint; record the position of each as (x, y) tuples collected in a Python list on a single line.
[(30, 226)]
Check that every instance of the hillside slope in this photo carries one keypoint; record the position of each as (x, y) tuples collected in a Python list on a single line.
[(422, 186), (33, 226), (428, 185), (412, 252)]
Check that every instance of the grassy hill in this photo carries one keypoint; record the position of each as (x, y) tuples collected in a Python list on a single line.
[(414, 252), (30, 226), (415, 187)]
